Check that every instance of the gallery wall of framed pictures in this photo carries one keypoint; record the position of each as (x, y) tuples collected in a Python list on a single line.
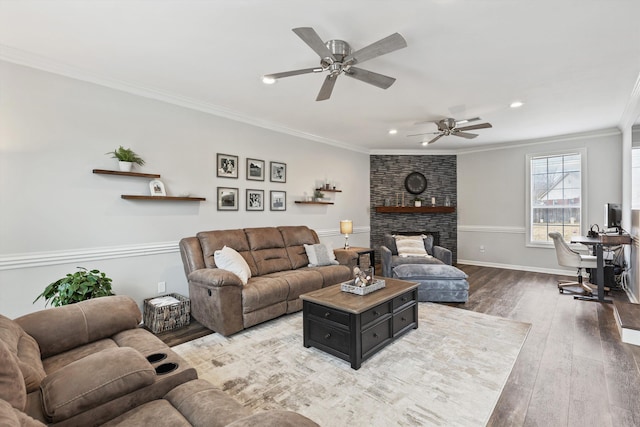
[(228, 198)]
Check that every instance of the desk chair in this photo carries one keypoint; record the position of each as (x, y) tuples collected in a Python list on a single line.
[(567, 257)]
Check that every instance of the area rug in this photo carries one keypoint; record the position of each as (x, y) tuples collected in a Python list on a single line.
[(448, 372)]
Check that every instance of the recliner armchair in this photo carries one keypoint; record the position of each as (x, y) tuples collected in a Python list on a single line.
[(391, 259)]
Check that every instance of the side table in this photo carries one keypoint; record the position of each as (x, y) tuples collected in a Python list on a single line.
[(361, 251)]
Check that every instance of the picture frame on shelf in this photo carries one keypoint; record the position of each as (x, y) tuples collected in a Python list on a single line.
[(255, 200), (278, 172), (255, 170), (278, 200), (227, 199), (156, 187), (226, 166)]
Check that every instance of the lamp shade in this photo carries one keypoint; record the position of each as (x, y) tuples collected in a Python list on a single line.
[(346, 226)]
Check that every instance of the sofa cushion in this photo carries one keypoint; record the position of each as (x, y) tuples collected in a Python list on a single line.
[(155, 413), (263, 291), (26, 350), (294, 238), (63, 328), (229, 259), (268, 250), (53, 363), (320, 254), (203, 404), (211, 241), (93, 381), (390, 242), (12, 386)]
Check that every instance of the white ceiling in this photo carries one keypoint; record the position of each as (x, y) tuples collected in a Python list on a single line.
[(574, 63)]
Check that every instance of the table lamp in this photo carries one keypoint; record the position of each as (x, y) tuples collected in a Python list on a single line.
[(346, 228)]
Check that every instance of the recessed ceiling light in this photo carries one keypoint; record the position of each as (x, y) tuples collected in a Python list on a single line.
[(516, 104), (393, 131), (268, 80)]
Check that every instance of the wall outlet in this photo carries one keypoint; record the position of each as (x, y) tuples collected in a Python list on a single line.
[(482, 248), (162, 287)]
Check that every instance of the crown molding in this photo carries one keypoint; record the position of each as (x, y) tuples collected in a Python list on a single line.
[(27, 59)]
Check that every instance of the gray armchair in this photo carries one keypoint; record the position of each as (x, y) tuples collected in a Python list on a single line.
[(390, 258)]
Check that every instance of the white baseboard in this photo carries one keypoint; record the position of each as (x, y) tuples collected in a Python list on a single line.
[(532, 269)]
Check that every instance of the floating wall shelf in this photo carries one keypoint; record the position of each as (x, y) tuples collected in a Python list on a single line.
[(413, 209), (302, 202), (134, 174), (329, 191), (163, 198)]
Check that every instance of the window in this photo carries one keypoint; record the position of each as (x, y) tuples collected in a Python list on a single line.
[(554, 196)]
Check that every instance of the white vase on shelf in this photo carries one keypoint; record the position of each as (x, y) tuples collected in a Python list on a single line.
[(125, 166)]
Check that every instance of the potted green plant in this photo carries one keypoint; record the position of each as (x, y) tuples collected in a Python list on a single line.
[(417, 202), (79, 286), (318, 195), (126, 158)]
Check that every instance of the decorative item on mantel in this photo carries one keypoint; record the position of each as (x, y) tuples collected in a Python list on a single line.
[(346, 228), (417, 202), (318, 195)]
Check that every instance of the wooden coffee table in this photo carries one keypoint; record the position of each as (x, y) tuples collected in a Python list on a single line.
[(354, 327)]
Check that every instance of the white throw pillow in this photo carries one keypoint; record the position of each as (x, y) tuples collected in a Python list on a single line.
[(229, 259), (410, 246), (320, 254)]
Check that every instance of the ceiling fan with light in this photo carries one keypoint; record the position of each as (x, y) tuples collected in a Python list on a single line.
[(451, 126), (337, 57)]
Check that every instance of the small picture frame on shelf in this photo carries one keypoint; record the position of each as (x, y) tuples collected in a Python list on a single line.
[(255, 200), (255, 170), (226, 166), (278, 172), (227, 199), (157, 188), (278, 200)]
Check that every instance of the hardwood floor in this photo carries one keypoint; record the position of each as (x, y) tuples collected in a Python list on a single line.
[(573, 369)]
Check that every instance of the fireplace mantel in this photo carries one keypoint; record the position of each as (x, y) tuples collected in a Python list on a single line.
[(415, 210)]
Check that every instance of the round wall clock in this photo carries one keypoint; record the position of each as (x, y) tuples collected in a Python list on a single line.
[(415, 183)]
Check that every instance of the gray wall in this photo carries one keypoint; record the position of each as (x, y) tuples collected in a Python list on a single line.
[(56, 214), (492, 192), (388, 173)]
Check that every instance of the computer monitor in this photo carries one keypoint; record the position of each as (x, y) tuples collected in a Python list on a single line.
[(613, 216)]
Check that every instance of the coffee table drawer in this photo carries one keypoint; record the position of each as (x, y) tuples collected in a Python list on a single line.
[(334, 338), (403, 299), (327, 313), (403, 319), (375, 336), (375, 313)]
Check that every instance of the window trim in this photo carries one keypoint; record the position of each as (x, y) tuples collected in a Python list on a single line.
[(583, 192)]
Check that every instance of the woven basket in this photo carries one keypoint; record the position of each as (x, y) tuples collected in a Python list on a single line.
[(159, 319)]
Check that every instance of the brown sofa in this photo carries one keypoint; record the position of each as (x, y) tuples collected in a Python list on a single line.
[(90, 363), (279, 275)]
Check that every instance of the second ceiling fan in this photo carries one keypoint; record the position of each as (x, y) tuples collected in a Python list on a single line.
[(450, 126), (337, 57)]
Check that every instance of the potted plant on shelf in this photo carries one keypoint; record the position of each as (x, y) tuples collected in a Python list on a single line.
[(417, 202), (126, 158), (318, 195), (79, 286)]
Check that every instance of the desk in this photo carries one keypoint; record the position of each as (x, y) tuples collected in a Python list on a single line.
[(598, 243)]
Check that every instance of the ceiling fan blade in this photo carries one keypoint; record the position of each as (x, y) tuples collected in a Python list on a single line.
[(465, 121), (379, 80), (313, 40), (293, 73), (464, 135), (327, 87), (420, 134), (478, 126), (433, 140), (386, 45)]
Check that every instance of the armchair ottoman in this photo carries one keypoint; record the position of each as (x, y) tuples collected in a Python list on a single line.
[(436, 282)]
